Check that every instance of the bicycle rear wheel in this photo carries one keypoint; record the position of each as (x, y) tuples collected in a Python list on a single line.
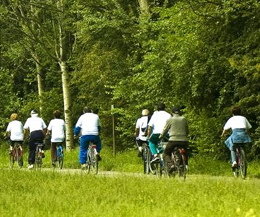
[(38, 159), (182, 167), (243, 164), (19, 158), (60, 157), (146, 159), (94, 161)]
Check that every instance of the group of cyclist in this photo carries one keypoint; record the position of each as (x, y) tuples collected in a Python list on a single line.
[(87, 127), (152, 129), (37, 130)]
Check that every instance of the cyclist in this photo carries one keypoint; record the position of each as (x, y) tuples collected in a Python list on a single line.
[(89, 126), (155, 127), (56, 129), (37, 128), (141, 128), (15, 130), (177, 126), (239, 125)]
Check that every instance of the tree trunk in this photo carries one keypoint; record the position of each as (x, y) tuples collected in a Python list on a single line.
[(67, 105), (144, 6)]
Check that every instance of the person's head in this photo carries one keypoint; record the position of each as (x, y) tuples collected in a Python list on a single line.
[(161, 106), (236, 110), (56, 114), (34, 113), (145, 112), (87, 109), (13, 116), (176, 110)]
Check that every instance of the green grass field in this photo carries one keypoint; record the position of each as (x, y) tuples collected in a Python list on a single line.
[(209, 190)]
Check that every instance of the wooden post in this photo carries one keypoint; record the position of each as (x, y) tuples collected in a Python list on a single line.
[(113, 134)]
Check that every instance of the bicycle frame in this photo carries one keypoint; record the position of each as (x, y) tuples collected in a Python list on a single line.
[(92, 162), (38, 154), (179, 161), (16, 154), (241, 167), (60, 155)]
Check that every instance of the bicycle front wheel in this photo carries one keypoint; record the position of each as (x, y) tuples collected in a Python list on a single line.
[(243, 163)]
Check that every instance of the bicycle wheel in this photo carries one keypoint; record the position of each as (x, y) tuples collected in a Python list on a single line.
[(38, 159), (19, 157), (182, 167), (11, 158), (146, 159), (89, 162), (94, 161), (60, 157), (243, 163)]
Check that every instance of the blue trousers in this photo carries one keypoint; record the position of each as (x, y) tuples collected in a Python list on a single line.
[(84, 144)]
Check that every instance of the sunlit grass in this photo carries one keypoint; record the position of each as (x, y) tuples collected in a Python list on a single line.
[(38, 193)]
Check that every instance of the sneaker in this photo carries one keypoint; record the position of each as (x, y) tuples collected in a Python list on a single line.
[(83, 166), (30, 166), (139, 154), (98, 157), (53, 164), (43, 155), (234, 164), (155, 159)]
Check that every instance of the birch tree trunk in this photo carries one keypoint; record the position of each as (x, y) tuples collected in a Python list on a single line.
[(144, 6), (67, 105)]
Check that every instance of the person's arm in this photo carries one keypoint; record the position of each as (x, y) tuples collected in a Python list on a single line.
[(136, 132), (224, 133), (149, 132)]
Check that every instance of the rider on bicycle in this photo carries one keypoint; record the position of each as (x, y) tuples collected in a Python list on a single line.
[(15, 129), (37, 128), (155, 127), (239, 125), (177, 127), (56, 128), (141, 128), (89, 126)]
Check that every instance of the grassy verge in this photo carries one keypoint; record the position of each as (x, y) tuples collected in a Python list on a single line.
[(38, 193)]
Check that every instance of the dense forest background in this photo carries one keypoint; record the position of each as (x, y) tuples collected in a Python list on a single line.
[(133, 54)]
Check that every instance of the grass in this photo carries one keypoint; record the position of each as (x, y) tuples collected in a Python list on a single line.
[(209, 189), (38, 193)]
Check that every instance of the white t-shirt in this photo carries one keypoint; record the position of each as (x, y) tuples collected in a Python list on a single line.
[(158, 121), (16, 129), (34, 123), (237, 122), (142, 123), (89, 123), (57, 128)]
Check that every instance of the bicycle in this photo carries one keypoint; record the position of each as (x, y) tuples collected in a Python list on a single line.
[(60, 155), (146, 157), (16, 154), (241, 167), (92, 161), (179, 162), (39, 154), (157, 168)]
